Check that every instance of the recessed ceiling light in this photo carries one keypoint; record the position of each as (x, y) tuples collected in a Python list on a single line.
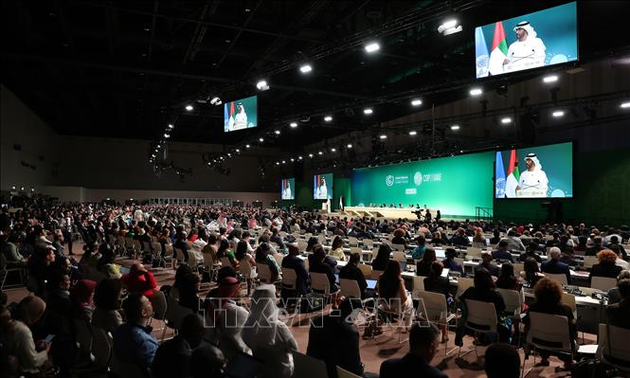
[(413, 132), (167, 135), (368, 111), (449, 27), (306, 68), (158, 146), (349, 145), (333, 149), (293, 124), (277, 132), (284, 161), (292, 159), (476, 91), (506, 120), (277, 163), (189, 108), (455, 127), (261, 140), (383, 136), (262, 85), (247, 146), (328, 118), (550, 78), (625, 105), (237, 150), (300, 157), (416, 102), (170, 126), (372, 47), (320, 153), (310, 155), (558, 113)]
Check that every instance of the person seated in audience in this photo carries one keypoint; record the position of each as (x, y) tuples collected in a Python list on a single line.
[(620, 259), (39, 268), (554, 265), (531, 252), (435, 282), (172, 358), (486, 263), (514, 243), (293, 261), (207, 361), (247, 238), (507, 279), (496, 237), (399, 237), (264, 256), (597, 246), (479, 238), (582, 245), (606, 267), (555, 242), (225, 251), (320, 263), (382, 257), (133, 343), (438, 239), (276, 238), (245, 259), (107, 300), (618, 314), (181, 243), (188, 291), (460, 238), (336, 250), (502, 253), (352, 272), (614, 246), (268, 337), (548, 294), (82, 298), (139, 280), (484, 291), (613, 294), (423, 346), (391, 290), (11, 252), (450, 263), (502, 361), (310, 243), (568, 257), (423, 267), (531, 272), (418, 251), (335, 340)]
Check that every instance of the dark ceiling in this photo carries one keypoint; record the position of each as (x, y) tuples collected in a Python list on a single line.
[(125, 69)]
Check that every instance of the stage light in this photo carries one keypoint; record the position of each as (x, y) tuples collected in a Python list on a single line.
[(261, 140), (320, 153), (625, 105), (247, 146), (310, 155), (333, 149), (277, 163), (372, 47), (383, 136), (293, 124), (167, 135), (216, 101), (171, 126), (292, 160), (349, 145), (368, 111), (262, 85), (306, 68), (237, 151), (449, 27), (455, 127), (558, 113), (476, 91), (277, 132), (413, 132), (189, 108), (550, 79), (506, 120), (229, 154), (284, 161), (328, 118), (416, 102), (158, 146), (300, 157)]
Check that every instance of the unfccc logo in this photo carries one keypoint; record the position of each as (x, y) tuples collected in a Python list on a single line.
[(389, 180), (417, 178)]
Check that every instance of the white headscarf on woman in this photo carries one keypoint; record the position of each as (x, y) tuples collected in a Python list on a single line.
[(269, 339)]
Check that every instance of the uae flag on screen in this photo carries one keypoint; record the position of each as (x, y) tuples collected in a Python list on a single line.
[(499, 50), (231, 119), (513, 176)]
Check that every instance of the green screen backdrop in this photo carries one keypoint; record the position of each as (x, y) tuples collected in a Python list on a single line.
[(454, 185)]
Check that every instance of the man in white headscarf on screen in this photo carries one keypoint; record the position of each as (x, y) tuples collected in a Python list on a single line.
[(240, 119), (533, 182), (528, 51)]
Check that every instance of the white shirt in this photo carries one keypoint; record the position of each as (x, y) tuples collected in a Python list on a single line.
[(287, 193), (527, 54), (534, 180), (240, 121), (323, 192)]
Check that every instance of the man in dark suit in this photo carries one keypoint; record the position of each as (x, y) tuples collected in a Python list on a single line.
[(335, 341), (486, 262), (555, 266), (531, 252), (460, 238), (619, 313), (597, 246), (502, 252), (293, 261), (172, 358), (423, 344)]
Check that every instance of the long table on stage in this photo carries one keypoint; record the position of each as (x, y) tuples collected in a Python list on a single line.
[(384, 212)]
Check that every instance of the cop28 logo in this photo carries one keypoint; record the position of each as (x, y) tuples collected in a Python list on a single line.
[(417, 178), (389, 180)]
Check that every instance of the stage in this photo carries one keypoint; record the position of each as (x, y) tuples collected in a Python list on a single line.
[(385, 212)]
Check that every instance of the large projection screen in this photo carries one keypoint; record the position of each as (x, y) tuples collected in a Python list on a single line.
[(240, 114), (454, 185)]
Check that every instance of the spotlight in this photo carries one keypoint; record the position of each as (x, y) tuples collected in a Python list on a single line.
[(167, 135), (306, 68), (449, 27), (416, 102), (333, 149), (320, 153), (328, 118), (158, 146), (383, 136), (476, 91), (277, 132), (368, 111), (216, 101), (262, 85), (237, 151), (261, 140), (292, 160), (413, 132), (293, 125), (277, 163), (349, 145), (455, 127), (550, 79), (625, 105), (310, 155), (372, 47), (300, 157), (558, 113), (189, 108), (171, 126), (506, 120)]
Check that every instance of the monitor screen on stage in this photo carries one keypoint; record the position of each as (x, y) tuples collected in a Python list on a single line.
[(240, 114), (544, 38), (323, 186), (454, 185), (535, 172), (288, 189)]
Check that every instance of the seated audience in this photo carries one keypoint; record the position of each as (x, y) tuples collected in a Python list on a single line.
[(532, 272), (265, 256), (319, 263), (423, 267), (554, 265), (502, 253), (514, 243), (172, 358), (507, 279), (450, 263), (618, 314), (597, 246), (382, 257), (246, 261), (423, 346), (393, 294), (399, 237), (606, 266), (352, 272), (502, 361), (486, 263), (418, 251), (293, 261), (336, 250), (568, 255), (531, 252), (460, 238), (207, 361), (107, 300), (139, 280), (82, 297), (613, 294)]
